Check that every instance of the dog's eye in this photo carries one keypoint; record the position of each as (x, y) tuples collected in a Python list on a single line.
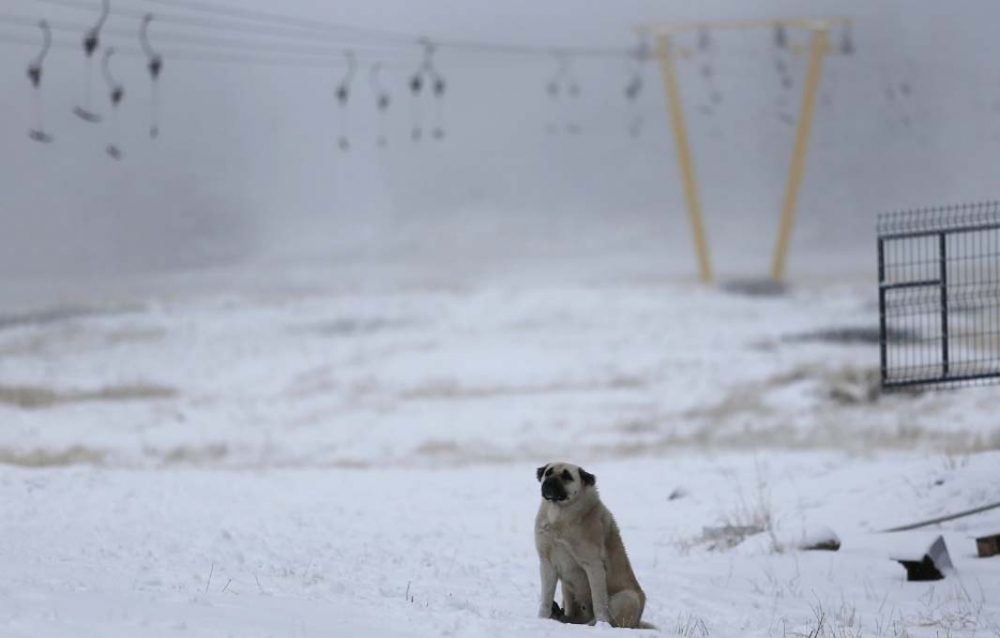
[(566, 476)]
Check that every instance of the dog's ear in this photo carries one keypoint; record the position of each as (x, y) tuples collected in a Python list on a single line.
[(540, 472), (587, 477)]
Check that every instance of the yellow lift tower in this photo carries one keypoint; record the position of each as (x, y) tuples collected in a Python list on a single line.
[(666, 52)]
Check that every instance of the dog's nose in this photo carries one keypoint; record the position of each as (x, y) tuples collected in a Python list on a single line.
[(548, 489)]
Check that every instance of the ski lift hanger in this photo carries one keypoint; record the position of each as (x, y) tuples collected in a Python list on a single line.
[(37, 132)]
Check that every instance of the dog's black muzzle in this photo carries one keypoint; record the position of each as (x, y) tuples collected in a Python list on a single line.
[(553, 490)]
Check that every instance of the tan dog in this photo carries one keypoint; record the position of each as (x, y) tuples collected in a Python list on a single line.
[(579, 545)]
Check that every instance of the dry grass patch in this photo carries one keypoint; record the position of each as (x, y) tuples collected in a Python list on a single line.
[(29, 397)]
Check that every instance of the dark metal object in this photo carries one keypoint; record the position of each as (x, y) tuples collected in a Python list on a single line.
[(939, 284), (931, 564)]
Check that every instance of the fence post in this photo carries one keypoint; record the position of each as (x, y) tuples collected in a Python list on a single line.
[(883, 337), (943, 276)]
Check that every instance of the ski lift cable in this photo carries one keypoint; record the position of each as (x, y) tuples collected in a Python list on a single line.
[(255, 44), (322, 30), (214, 8), (186, 55), (391, 55)]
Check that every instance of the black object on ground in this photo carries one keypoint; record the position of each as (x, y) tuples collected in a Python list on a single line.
[(933, 564)]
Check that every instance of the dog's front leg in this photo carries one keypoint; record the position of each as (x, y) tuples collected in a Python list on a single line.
[(549, 579), (598, 578)]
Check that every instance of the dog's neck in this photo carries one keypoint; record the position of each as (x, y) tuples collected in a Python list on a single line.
[(575, 510)]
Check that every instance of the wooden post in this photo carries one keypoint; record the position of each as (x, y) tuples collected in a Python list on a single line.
[(819, 44), (665, 56)]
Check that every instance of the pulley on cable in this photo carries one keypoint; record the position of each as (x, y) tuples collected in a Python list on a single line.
[(382, 101), (562, 82), (91, 42), (416, 115), (343, 94), (780, 50), (846, 49), (438, 86), (116, 93), (553, 88), (38, 132), (154, 65), (427, 74), (574, 91), (707, 71), (782, 59), (846, 40), (636, 61)]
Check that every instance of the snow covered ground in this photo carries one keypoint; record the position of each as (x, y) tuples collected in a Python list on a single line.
[(351, 462), (448, 552)]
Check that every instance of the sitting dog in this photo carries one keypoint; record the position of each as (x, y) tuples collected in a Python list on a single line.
[(579, 545)]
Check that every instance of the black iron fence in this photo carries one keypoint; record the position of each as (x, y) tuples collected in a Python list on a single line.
[(939, 296)]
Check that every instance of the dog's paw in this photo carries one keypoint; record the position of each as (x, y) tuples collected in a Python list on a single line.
[(557, 612), (602, 624), (554, 612)]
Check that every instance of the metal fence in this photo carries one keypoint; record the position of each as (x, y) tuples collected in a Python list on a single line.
[(939, 296)]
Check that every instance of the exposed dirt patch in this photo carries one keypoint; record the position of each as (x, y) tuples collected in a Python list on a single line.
[(352, 326), (450, 389), (59, 314), (851, 336), (61, 339)]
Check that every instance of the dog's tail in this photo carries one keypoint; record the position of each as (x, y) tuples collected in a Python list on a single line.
[(646, 625)]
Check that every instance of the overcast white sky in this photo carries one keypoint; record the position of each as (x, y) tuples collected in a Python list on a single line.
[(247, 166)]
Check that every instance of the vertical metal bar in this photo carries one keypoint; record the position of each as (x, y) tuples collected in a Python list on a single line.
[(942, 256), (819, 43), (666, 58), (881, 312)]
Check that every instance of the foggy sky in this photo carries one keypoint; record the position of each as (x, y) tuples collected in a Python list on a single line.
[(246, 168)]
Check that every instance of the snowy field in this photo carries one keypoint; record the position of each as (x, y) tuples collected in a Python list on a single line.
[(314, 462)]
